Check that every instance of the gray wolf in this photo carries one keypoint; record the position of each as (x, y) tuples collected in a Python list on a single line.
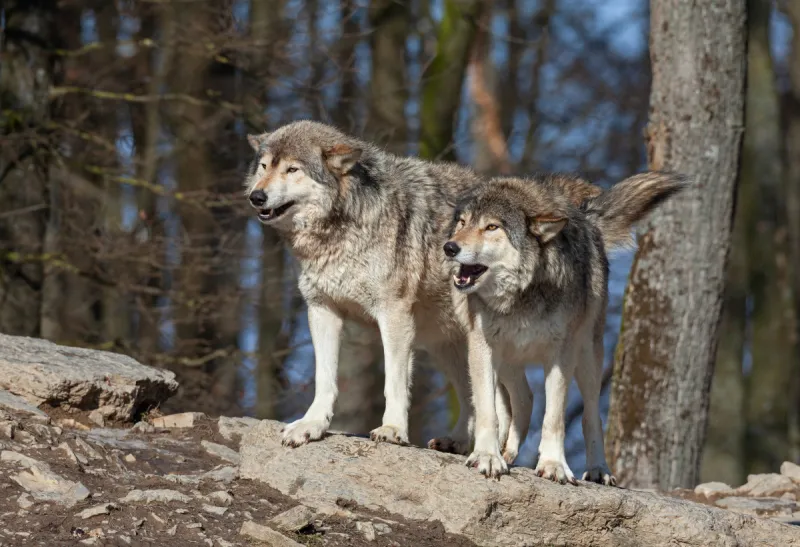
[(533, 268), (366, 228)]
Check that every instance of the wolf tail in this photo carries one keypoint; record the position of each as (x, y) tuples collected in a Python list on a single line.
[(616, 210)]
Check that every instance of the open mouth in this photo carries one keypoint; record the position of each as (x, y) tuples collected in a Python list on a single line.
[(468, 274), (266, 215)]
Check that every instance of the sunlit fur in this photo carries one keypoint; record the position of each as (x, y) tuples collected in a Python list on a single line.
[(367, 229), (543, 298)]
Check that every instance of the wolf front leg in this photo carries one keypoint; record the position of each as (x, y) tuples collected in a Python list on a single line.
[(325, 326), (552, 462), (486, 454), (397, 332)]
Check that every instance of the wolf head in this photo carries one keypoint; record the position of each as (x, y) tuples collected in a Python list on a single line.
[(508, 230), (499, 231), (298, 171)]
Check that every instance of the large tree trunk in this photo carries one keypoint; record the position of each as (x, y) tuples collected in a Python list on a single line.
[(25, 78), (443, 78), (672, 310), (792, 181)]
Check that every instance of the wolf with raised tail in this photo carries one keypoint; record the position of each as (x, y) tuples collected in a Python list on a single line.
[(532, 267), (366, 228)]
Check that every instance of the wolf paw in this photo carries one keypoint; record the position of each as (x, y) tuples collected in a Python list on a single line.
[(510, 454), (488, 465), (389, 434), (555, 471), (302, 432), (601, 475), (449, 445)]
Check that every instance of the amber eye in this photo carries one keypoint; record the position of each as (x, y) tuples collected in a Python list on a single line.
[(291, 170), (460, 223), (492, 227)]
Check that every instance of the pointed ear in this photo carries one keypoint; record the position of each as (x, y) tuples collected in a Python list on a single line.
[(256, 140), (341, 158), (546, 227)]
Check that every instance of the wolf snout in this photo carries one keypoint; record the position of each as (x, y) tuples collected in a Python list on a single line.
[(258, 198), (451, 249)]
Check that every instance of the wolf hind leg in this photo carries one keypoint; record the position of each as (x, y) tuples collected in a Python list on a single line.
[(452, 361), (520, 397), (552, 462), (588, 376)]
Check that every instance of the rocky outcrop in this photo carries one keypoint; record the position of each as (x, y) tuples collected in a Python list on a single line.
[(114, 386), (520, 509)]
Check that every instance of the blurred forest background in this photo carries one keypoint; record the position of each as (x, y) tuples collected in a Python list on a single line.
[(123, 225)]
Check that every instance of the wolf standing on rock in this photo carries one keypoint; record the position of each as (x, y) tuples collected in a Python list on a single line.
[(367, 227), (535, 272)]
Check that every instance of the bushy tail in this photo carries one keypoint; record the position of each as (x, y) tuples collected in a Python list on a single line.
[(616, 210)]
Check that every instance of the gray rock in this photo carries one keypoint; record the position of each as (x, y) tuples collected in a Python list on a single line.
[(97, 510), (382, 528), (232, 429), (367, 529), (294, 519), (221, 451), (44, 485), (709, 489), (184, 419), (791, 470), (220, 497), (224, 474), (214, 510), (9, 400), (143, 427), (757, 506), (267, 536), (65, 447), (40, 371), (21, 459), (25, 501), (156, 495), (519, 509), (766, 485)]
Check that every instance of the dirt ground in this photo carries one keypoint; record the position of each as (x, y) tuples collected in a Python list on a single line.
[(112, 461)]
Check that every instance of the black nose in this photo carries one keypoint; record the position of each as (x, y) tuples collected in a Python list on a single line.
[(451, 249), (258, 198)]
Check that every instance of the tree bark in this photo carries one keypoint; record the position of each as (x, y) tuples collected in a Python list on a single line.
[(668, 341), (26, 73), (443, 78)]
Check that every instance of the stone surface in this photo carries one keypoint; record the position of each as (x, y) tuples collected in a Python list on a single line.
[(97, 510), (232, 429), (791, 470), (519, 509), (184, 419), (266, 536), (156, 495), (367, 529), (214, 510), (757, 506), (44, 485), (21, 459), (43, 372), (9, 400), (766, 485), (293, 520), (221, 451), (709, 489)]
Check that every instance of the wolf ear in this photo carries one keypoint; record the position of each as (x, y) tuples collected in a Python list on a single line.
[(341, 158), (256, 140), (546, 227)]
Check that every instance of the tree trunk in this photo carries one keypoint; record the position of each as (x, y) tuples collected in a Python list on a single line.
[(792, 181), (668, 341), (443, 78), (26, 73)]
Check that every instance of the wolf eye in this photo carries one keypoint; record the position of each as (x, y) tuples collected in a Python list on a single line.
[(460, 223), (290, 170), (264, 166), (492, 227)]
